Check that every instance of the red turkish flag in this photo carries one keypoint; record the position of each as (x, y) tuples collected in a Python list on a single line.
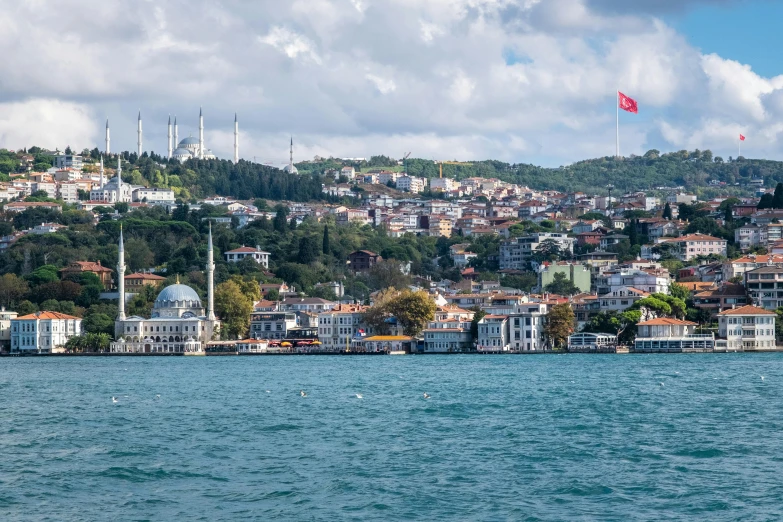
[(627, 104), (742, 138)]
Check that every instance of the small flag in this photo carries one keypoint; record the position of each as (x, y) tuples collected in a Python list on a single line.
[(742, 138), (627, 104)]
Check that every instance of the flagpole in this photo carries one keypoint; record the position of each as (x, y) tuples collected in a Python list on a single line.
[(739, 151), (617, 107)]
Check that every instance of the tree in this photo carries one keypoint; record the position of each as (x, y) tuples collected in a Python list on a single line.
[(412, 310), (26, 308), (778, 197), (273, 295), (280, 221), (98, 323), (667, 211), (679, 291), (12, 288), (43, 274), (562, 285), (766, 201), (326, 249), (548, 250), (233, 307), (478, 315), (559, 325), (388, 274), (90, 342), (623, 325), (308, 250)]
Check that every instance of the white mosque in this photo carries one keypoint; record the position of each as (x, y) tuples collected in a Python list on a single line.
[(188, 148), (179, 323)]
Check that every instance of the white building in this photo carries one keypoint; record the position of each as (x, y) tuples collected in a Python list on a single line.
[(238, 254), (179, 323), (493, 334), (5, 328), (747, 328), (68, 161), (153, 196), (621, 299), (43, 332), (526, 327), (443, 184), (685, 248), (338, 326), (115, 191), (271, 325), (668, 335), (410, 184), (653, 281)]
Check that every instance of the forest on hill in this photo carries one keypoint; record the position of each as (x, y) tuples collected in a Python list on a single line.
[(697, 171)]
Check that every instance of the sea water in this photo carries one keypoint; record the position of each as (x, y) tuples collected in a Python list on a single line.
[(547, 437)]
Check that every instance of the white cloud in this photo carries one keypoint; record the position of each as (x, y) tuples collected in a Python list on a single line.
[(41, 122), (518, 80)]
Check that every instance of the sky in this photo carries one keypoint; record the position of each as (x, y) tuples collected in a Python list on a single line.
[(522, 81)]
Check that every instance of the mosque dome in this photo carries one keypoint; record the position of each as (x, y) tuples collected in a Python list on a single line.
[(290, 169), (182, 154), (190, 140), (178, 296)]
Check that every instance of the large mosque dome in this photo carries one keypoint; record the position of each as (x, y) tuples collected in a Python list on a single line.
[(178, 296)]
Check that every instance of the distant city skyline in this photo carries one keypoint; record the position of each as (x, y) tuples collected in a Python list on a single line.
[(523, 81)]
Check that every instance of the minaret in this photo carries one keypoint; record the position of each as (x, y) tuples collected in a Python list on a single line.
[(236, 139), (200, 134), (291, 163), (121, 280), (210, 279), (119, 178), (108, 139), (169, 136), (139, 134), (176, 134), (101, 172)]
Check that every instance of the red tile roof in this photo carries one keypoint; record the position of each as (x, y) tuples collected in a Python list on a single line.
[(46, 315), (667, 321), (747, 310)]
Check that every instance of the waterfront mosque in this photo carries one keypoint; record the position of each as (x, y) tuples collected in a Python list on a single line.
[(179, 323)]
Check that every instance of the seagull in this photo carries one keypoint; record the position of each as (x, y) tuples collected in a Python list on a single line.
[(302, 393), (678, 373), (268, 391), (426, 395), (661, 384), (762, 377), (359, 396), (114, 400), (157, 396)]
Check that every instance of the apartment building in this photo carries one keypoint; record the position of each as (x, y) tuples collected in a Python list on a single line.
[(338, 326), (516, 253), (747, 328)]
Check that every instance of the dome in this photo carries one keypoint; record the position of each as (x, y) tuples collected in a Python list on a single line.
[(290, 169), (190, 140), (183, 294)]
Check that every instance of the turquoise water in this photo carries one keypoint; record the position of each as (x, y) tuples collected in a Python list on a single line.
[(502, 438)]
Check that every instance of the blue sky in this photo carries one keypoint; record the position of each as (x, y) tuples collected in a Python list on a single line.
[(749, 32), (523, 81)]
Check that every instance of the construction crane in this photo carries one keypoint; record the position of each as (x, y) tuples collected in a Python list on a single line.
[(440, 163), (405, 162)]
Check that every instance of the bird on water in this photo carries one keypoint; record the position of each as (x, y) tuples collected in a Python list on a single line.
[(426, 395), (359, 396), (114, 400), (302, 393)]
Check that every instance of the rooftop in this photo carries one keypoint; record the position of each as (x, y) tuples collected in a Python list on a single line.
[(747, 310)]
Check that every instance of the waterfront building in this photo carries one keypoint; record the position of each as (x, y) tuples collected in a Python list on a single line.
[(526, 327), (179, 322), (584, 342), (238, 254), (671, 335), (340, 325), (384, 344), (493, 334), (5, 328), (306, 304), (43, 332), (271, 325), (747, 328)]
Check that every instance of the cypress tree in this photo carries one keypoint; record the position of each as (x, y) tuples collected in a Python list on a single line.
[(326, 247), (667, 212), (779, 196)]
